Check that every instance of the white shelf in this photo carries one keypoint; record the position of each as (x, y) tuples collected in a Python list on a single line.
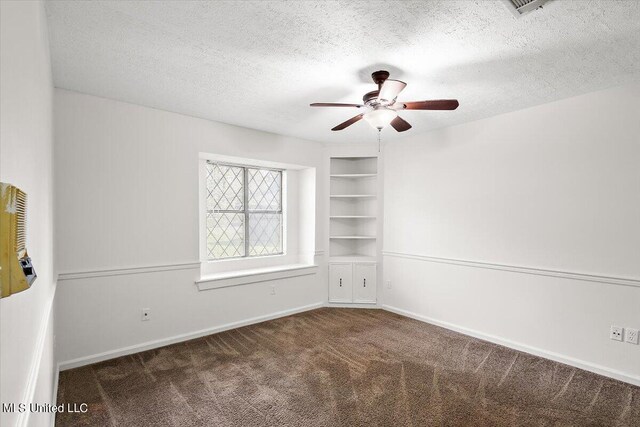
[(335, 196), (354, 237), (353, 175), (352, 217), (352, 258)]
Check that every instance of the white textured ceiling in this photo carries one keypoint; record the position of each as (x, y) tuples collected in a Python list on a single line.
[(259, 64)]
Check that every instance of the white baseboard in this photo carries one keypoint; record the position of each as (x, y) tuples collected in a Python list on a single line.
[(34, 370), (54, 397), (587, 366), (111, 354), (371, 305)]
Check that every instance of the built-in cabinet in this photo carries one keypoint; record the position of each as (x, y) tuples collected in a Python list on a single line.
[(364, 282), (353, 237), (340, 282), (352, 282)]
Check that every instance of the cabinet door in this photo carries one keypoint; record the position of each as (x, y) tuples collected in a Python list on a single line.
[(340, 280), (364, 283)]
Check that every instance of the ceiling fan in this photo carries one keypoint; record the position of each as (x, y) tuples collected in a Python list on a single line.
[(382, 107)]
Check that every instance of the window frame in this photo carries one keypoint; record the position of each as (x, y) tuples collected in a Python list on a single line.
[(246, 211)]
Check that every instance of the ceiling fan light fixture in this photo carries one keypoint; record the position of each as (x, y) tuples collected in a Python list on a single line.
[(380, 117), (380, 105)]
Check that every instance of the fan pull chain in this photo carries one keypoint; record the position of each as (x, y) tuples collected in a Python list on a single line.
[(379, 143)]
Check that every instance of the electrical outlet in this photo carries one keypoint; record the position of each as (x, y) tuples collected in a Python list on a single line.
[(631, 336), (273, 290), (388, 284), (146, 314), (616, 333)]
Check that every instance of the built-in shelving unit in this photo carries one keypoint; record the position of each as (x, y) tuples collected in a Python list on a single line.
[(353, 208), (353, 230)]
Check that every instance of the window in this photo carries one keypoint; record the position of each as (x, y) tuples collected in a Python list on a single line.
[(244, 211)]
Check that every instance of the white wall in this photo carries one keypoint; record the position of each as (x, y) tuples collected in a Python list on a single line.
[(127, 197), (26, 330), (553, 187)]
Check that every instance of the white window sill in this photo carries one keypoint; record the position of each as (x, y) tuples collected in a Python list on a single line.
[(254, 275)]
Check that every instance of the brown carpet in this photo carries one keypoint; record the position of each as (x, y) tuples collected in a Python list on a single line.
[(342, 367)]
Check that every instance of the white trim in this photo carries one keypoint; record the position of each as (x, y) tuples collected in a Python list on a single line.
[(244, 277), (352, 217), (360, 259), (353, 237), (352, 196), (581, 364), (624, 281), (369, 305), (247, 162), (34, 371), (353, 175), (54, 397), (128, 270), (111, 354), (202, 208)]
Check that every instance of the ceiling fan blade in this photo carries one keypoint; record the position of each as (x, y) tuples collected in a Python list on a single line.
[(349, 122), (400, 124), (390, 90), (437, 104), (334, 104)]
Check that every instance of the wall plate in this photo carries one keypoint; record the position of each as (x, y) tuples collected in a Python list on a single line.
[(631, 336), (616, 333)]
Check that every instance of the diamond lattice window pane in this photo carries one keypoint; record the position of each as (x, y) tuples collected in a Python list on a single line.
[(265, 234), (225, 235), (225, 187), (265, 189)]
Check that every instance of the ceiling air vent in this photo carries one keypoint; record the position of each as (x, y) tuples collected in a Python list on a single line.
[(520, 7)]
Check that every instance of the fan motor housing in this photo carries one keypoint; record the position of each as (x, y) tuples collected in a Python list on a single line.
[(379, 77), (369, 97)]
